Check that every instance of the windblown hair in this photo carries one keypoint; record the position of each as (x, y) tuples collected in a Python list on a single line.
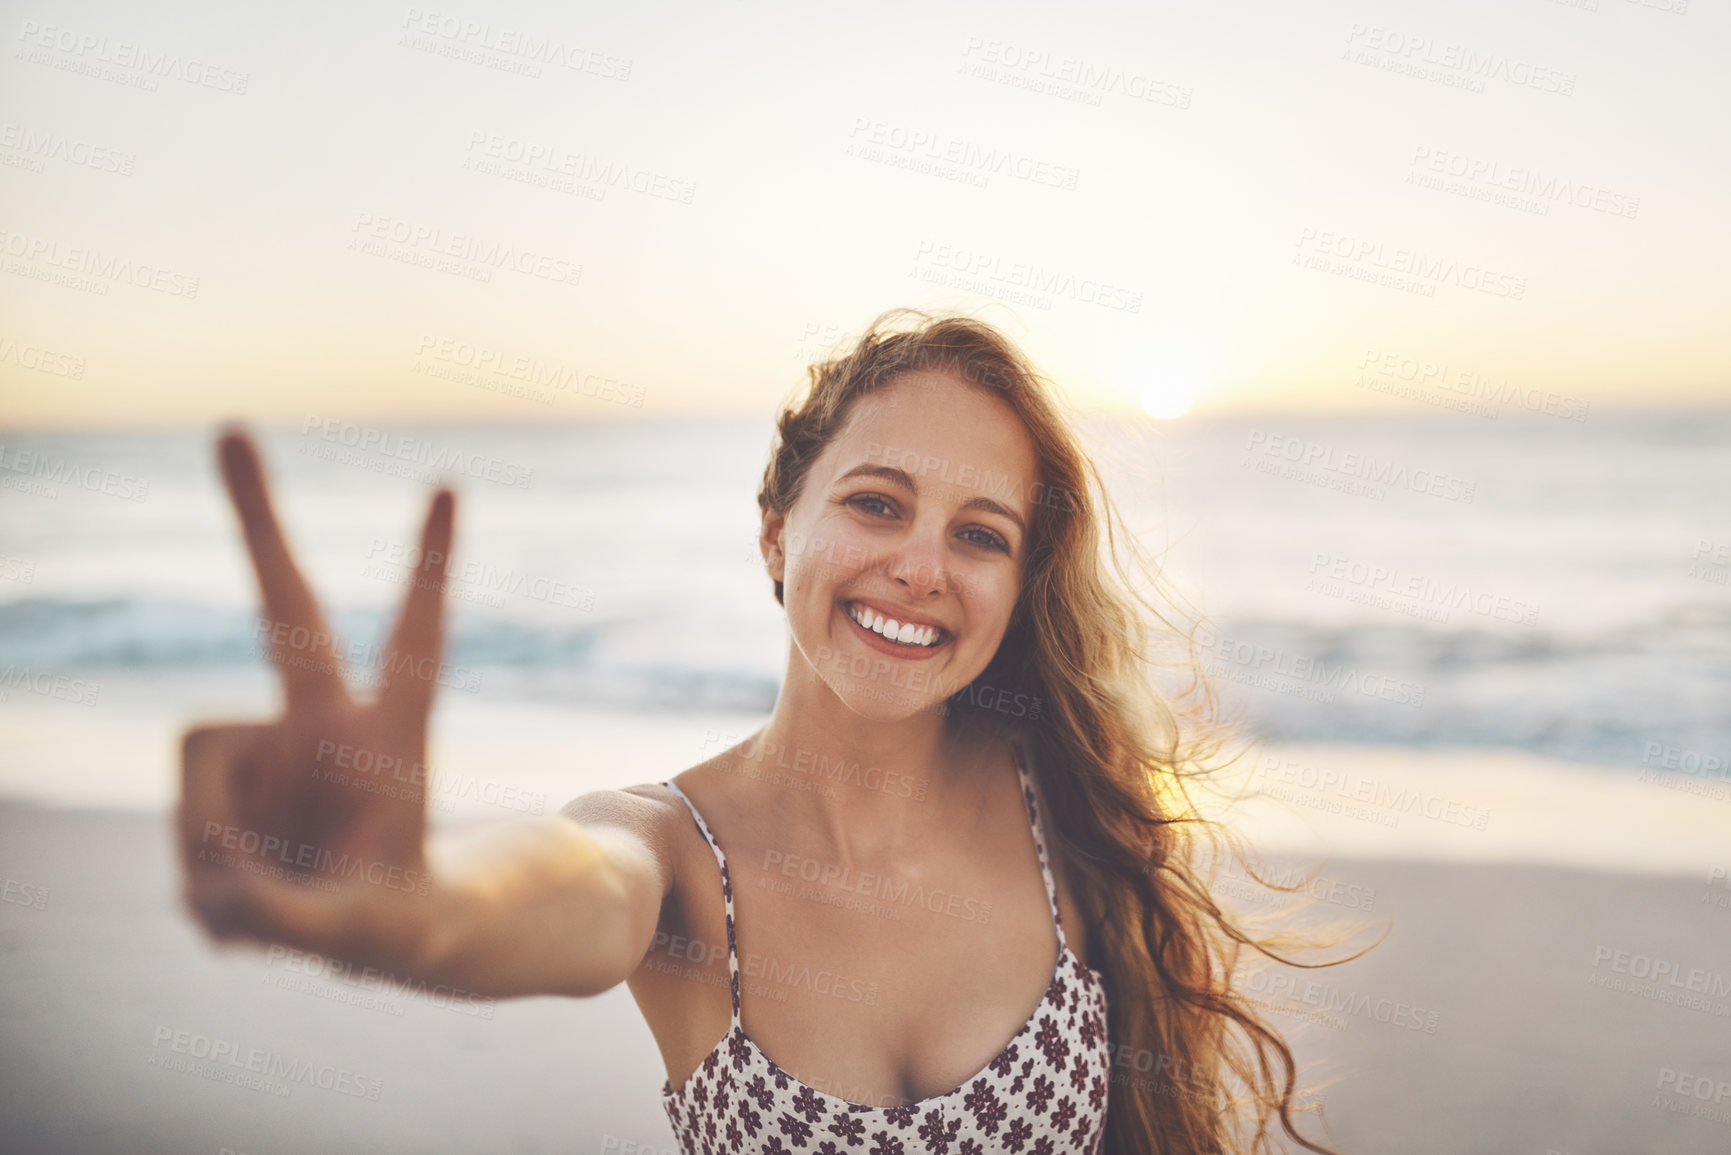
[(1126, 723)]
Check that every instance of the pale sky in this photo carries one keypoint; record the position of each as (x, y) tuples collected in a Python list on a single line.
[(1244, 204)]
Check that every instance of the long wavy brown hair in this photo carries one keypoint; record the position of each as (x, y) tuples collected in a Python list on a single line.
[(1126, 726)]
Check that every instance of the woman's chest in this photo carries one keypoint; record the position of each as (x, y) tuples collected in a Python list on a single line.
[(877, 986)]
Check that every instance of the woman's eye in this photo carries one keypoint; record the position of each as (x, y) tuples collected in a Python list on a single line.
[(986, 539), (871, 503)]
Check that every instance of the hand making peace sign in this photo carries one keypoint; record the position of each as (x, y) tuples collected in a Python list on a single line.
[(310, 830)]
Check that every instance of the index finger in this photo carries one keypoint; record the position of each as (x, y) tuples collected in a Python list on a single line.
[(302, 645)]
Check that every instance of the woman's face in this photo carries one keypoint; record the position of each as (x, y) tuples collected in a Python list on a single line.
[(917, 514)]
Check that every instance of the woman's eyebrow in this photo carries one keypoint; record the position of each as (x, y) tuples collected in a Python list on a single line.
[(904, 480), (889, 473)]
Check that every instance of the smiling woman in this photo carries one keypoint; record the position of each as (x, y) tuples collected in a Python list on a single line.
[(1018, 955)]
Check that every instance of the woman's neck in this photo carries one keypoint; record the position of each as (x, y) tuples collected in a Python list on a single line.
[(877, 784)]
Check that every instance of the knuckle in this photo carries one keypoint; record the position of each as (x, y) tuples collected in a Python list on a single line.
[(197, 741), (202, 744), (223, 909)]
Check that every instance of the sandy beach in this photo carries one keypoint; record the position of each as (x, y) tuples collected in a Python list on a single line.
[(1516, 1005)]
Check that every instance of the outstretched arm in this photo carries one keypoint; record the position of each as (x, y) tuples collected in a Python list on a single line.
[(277, 848), (561, 905)]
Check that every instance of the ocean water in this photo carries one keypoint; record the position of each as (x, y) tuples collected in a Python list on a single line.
[(1431, 579)]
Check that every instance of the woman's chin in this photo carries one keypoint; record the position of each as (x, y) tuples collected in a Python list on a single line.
[(881, 704)]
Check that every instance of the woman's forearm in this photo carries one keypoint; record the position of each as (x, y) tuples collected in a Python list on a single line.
[(538, 906)]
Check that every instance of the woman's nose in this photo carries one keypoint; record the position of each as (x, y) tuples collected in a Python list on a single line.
[(917, 565)]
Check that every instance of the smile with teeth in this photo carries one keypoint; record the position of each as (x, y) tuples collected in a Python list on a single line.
[(901, 633)]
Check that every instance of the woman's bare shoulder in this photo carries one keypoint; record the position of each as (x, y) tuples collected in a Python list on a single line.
[(653, 811), (629, 806), (651, 823)]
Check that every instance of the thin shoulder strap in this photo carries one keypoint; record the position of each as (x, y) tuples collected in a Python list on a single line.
[(726, 896), (1039, 838)]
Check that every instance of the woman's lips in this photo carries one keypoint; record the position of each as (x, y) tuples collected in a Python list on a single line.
[(897, 649)]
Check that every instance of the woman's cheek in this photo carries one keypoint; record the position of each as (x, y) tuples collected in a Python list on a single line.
[(834, 550), (988, 596)]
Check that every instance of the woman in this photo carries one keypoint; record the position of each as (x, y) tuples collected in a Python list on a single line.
[(967, 802)]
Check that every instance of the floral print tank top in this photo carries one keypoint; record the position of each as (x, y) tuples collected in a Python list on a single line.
[(1044, 1093)]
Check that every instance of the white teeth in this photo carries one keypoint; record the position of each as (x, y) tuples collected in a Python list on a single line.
[(903, 633)]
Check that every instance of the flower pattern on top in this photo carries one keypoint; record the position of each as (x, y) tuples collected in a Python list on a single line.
[(1044, 1093)]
